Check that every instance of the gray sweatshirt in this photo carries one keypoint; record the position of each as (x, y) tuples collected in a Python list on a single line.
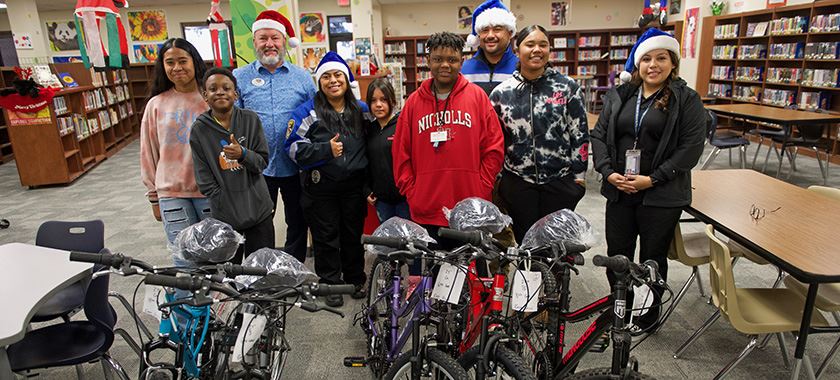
[(236, 189)]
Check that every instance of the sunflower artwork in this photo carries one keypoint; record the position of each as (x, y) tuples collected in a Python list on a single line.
[(148, 25)]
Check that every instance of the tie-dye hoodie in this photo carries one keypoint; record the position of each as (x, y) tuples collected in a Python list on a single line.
[(166, 164), (544, 121)]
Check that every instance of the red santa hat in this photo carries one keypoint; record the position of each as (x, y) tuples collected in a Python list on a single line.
[(271, 19)]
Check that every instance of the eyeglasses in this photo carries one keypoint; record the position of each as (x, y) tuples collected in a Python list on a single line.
[(757, 213)]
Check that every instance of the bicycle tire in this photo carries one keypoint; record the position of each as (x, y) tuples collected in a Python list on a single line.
[(503, 359), (606, 374), (277, 353), (539, 361), (442, 366), (380, 277)]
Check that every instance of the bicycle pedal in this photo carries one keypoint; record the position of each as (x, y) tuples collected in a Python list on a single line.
[(601, 344), (355, 361)]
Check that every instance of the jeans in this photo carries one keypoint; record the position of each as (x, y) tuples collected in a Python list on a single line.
[(385, 210), (180, 213)]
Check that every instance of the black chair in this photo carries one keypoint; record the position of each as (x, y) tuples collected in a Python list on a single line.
[(75, 342), (810, 137), (721, 142), (88, 236)]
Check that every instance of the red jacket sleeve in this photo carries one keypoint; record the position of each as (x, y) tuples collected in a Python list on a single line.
[(401, 154), (492, 144)]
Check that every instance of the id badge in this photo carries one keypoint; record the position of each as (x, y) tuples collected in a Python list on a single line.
[(439, 136), (632, 161)]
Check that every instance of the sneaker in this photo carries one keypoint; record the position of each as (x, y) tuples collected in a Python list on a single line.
[(360, 292), (334, 300)]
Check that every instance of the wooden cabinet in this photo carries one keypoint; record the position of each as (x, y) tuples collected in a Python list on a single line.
[(85, 125)]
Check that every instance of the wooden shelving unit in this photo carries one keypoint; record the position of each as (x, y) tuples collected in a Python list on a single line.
[(97, 120), (567, 58), (6, 152), (139, 78), (793, 90)]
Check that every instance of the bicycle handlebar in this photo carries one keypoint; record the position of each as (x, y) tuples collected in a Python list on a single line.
[(115, 261), (326, 289), (621, 265), (394, 242), (475, 238), (192, 283)]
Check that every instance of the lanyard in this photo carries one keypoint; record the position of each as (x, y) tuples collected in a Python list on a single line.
[(637, 119), (438, 118)]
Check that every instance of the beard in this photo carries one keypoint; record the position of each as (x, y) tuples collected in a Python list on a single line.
[(270, 60)]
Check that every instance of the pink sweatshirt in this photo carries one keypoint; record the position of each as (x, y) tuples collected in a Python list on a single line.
[(166, 164)]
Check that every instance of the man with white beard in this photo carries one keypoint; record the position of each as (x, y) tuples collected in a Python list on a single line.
[(273, 87)]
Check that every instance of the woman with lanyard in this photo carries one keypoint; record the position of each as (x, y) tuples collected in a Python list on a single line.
[(326, 138), (546, 135), (646, 141)]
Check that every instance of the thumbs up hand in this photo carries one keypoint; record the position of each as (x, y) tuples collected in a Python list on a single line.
[(337, 146), (233, 151)]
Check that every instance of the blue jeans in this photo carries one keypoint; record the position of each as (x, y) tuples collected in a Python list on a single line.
[(385, 210), (180, 213)]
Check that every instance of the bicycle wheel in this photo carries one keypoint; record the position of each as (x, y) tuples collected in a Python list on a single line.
[(606, 374), (378, 310), (276, 350), (534, 332), (504, 364), (437, 365)]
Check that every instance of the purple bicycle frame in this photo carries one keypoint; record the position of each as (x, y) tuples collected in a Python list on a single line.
[(417, 301)]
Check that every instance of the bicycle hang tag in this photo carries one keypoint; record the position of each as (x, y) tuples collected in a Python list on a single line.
[(249, 333), (449, 283), (153, 297), (525, 291), (643, 300)]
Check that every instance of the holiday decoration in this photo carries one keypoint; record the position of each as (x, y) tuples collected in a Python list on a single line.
[(89, 14), (490, 13), (654, 12), (220, 36), (717, 6), (26, 96)]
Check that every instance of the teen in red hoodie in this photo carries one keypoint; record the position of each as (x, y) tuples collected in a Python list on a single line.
[(448, 145)]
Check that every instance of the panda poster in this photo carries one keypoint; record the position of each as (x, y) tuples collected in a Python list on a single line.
[(62, 35)]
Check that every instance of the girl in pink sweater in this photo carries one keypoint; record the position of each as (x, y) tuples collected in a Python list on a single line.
[(166, 164)]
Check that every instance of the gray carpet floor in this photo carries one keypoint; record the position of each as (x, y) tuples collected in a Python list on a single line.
[(113, 193)]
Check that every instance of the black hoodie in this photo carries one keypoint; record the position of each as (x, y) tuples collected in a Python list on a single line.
[(679, 148), (380, 161), (238, 193)]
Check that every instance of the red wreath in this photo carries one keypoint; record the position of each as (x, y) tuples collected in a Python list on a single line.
[(26, 96)]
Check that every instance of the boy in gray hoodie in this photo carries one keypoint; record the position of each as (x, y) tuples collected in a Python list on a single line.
[(229, 153)]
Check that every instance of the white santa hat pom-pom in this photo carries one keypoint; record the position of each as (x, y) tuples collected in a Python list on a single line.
[(472, 41), (625, 77), (294, 42)]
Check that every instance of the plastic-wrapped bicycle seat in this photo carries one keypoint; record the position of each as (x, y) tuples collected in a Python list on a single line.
[(472, 214), (283, 270), (561, 225), (208, 241), (398, 227)]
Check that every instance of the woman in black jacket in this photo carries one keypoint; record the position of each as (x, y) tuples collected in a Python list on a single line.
[(326, 138), (648, 138), (384, 194)]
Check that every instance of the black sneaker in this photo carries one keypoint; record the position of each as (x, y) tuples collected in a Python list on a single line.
[(334, 300), (359, 293)]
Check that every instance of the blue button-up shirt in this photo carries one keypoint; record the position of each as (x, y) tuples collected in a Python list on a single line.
[(273, 96)]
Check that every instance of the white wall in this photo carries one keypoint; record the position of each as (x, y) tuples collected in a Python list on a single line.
[(426, 18)]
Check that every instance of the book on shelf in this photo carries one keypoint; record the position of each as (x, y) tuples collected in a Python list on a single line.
[(726, 31), (793, 50), (815, 100), (560, 42), (777, 97), (787, 75), (749, 73), (757, 29), (747, 93), (720, 90), (722, 72), (822, 50), (825, 23), (60, 105), (67, 80), (821, 77), (789, 25), (589, 41)]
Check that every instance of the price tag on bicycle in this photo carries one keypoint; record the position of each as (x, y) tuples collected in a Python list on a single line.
[(525, 291), (449, 283), (249, 333), (153, 297)]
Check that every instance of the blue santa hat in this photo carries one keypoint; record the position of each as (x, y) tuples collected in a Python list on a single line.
[(490, 13), (651, 39), (333, 61)]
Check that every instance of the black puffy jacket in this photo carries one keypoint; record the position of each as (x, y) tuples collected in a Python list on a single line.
[(679, 148)]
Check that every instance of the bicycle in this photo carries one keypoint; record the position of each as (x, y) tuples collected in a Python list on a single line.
[(551, 362), (380, 319)]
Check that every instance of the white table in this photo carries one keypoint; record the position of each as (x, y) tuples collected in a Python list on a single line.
[(29, 276)]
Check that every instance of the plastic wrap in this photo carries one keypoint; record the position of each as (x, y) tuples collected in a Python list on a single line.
[(562, 225), (209, 240), (471, 214), (398, 227), (283, 270)]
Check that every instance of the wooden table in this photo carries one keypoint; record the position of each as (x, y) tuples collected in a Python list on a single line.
[(591, 119), (785, 117), (29, 276), (799, 237)]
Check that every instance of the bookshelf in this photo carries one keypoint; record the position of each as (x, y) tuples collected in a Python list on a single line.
[(6, 151), (140, 81), (573, 52), (782, 57), (86, 125)]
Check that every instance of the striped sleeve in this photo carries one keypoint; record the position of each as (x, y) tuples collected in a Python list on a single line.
[(306, 153)]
